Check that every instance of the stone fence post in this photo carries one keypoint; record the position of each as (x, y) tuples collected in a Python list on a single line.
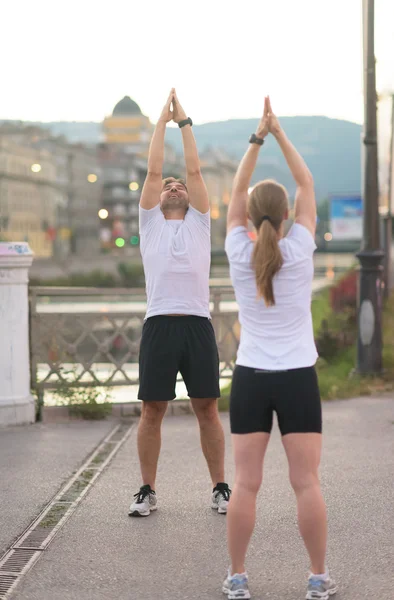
[(16, 402)]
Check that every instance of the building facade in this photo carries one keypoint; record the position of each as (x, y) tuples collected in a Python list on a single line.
[(28, 196), (218, 170), (128, 128), (66, 177)]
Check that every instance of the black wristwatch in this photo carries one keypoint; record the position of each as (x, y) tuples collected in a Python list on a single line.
[(187, 121), (256, 140)]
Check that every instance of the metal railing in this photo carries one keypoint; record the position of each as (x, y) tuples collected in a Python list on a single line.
[(91, 337)]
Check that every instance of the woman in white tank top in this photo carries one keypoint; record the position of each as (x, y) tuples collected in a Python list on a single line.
[(275, 372)]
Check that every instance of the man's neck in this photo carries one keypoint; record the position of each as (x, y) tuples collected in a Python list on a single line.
[(174, 215)]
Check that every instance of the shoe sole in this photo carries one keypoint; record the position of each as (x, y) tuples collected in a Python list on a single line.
[(137, 513), (221, 511), (318, 596), (238, 595)]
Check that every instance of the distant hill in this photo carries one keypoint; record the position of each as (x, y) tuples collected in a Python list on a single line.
[(331, 147)]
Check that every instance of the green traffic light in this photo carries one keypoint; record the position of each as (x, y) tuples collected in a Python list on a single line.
[(134, 240), (120, 242)]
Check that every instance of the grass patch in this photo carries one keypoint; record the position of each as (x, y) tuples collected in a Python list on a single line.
[(321, 309), (53, 517)]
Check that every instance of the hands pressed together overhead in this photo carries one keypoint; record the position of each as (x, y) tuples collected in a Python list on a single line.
[(268, 122), (173, 110)]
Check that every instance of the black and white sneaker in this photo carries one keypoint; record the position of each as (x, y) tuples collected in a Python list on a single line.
[(221, 497), (145, 501)]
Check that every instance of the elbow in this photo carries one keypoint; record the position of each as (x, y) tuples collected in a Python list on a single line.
[(154, 173), (194, 172)]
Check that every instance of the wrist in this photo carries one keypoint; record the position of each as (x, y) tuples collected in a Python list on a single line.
[(278, 134), (256, 139)]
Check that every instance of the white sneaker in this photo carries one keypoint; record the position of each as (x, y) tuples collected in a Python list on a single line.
[(145, 502), (236, 586), (319, 588), (220, 498)]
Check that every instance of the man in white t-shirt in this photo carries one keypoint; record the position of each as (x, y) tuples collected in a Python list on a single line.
[(178, 336)]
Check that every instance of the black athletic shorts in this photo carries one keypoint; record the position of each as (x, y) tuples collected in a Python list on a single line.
[(294, 396), (172, 345)]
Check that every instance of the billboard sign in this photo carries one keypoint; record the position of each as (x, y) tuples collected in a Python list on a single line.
[(346, 218)]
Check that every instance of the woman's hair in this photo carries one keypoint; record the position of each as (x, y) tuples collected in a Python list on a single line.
[(268, 204)]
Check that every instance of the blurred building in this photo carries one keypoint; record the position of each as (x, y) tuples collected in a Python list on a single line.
[(122, 176), (66, 196), (128, 128), (28, 195), (218, 170)]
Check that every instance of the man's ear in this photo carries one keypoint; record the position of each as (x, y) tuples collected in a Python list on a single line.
[(286, 214)]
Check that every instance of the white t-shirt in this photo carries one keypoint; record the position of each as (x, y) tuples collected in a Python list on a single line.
[(277, 337), (176, 255)]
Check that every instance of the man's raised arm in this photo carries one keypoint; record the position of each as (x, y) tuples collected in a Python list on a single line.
[(198, 193), (150, 195)]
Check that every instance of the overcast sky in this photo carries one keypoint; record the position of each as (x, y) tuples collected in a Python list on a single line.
[(74, 60)]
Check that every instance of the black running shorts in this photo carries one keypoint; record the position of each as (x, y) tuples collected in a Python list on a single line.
[(294, 396), (172, 345)]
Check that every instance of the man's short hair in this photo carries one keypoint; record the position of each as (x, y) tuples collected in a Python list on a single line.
[(172, 180)]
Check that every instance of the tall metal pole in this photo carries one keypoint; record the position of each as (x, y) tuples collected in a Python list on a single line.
[(369, 347), (388, 220)]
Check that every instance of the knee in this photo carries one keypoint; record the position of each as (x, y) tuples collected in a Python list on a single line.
[(303, 480), (206, 411), (250, 484), (153, 412)]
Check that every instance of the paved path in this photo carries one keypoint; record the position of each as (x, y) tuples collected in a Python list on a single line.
[(180, 553), (34, 462)]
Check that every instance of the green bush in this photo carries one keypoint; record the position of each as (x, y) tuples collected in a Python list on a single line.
[(132, 275), (96, 278), (90, 403)]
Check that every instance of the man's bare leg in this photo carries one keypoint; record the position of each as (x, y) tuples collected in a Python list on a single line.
[(212, 436), (149, 440)]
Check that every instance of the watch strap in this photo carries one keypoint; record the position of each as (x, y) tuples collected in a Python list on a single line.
[(187, 121), (256, 140)]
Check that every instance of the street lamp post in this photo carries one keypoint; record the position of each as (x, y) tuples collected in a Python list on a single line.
[(369, 346)]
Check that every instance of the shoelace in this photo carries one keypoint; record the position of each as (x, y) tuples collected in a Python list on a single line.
[(224, 491), (142, 494)]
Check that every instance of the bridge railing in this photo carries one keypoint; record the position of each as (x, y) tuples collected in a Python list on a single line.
[(91, 337)]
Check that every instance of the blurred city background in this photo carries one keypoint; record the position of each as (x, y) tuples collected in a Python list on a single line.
[(70, 186)]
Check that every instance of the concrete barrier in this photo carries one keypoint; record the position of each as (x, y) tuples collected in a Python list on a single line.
[(17, 405)]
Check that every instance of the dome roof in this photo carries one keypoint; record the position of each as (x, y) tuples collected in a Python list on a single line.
[(126, 106)]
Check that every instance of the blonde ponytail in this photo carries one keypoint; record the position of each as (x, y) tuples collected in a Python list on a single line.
[(267, 260), (268, 205)]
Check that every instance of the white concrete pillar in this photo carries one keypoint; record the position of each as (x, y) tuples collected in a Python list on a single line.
[(16, 402)]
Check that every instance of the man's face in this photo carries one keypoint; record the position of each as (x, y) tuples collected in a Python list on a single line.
[(174, 196)]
